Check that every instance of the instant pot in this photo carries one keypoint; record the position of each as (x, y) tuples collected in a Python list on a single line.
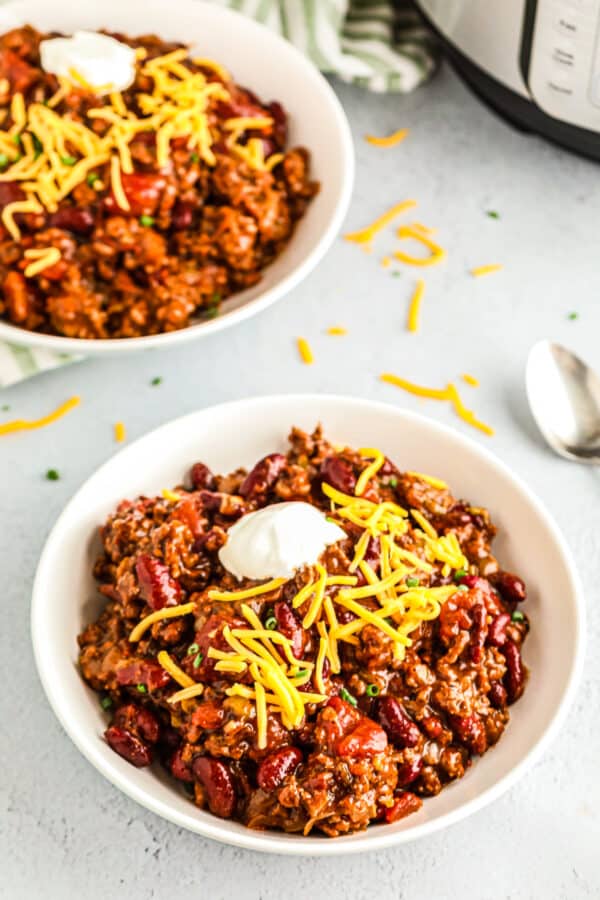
[(535, 61)]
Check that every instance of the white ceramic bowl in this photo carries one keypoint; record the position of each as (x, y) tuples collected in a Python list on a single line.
[(64, 597), (273, 69)]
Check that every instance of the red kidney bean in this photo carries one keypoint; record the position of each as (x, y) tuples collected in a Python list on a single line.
[(510, 586), (263, 476), (514, 679), (142, 671), (497, 695), (218, 782), (157, 587), (338, 718), (129, 746), (277, 766), (290, 627), (10, 192), (137, 720), (179, 768), (404, 805), (73, 218), (409, 771), (201, 477), (366, 740), (279, 116), (400, 728), (497, 631), (338, 473), (478, 632), (470, 731), (182, 216)]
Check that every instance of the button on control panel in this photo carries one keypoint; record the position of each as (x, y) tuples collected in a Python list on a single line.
[(564, 69)]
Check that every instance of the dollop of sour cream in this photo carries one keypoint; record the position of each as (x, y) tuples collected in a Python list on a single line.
[(102, 61), (275, 541)]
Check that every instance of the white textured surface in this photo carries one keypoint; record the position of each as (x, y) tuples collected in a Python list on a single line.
[(67, 831)]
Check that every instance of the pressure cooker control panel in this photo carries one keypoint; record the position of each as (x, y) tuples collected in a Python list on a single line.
[(564, 63)]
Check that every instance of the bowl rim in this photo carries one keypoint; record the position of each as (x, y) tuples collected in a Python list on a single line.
[(272, 842), (346, 164)]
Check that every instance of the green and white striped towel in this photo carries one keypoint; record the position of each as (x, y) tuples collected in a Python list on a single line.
[(377, 44)]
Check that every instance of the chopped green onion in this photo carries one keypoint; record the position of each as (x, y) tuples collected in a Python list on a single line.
[(518, 616), (460, 573), (396, 274), (373, 690), (193, 648), (216, 298), (17, 139), (393, 482), (18, 157), (147, 221), (345, 695), (68, 160), (37, 145), (4, 160), (5, 407), (106, 703), (141, 688), (211, 312), (52, 475), (271, 623), (198, 660), (156, 380), (195, 158), (572, 316), (492, 214), (330, 519), (92, 178), (301, 673), (412, 582), (463, 587)]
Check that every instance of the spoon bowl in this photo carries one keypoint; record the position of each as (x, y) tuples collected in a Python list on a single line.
[(564, 397)]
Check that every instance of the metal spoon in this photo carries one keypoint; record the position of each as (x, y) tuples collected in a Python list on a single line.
[(564, 397)]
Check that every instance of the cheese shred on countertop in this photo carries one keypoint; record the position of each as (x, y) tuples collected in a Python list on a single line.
[(28, 425), (120, 433), (366, 235), (305, 351), (415, 306), (449, 393), (389, 141), (478, 271)]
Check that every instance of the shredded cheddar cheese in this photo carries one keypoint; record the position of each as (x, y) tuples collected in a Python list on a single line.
[(415, 306), (371, 470), (436, 255), (386, 262), (449, 393), (173, 669), (390, 141), (306, 354), (43, 259), (434, 482), (173, 496), (28, 425), (257, 590), (366, 235), (194, 690), (167, 612), (470, 379), (478, 271), (261, 715), (120, 433), (337, 331)]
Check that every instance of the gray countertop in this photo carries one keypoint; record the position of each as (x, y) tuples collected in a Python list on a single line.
[(68, 832)]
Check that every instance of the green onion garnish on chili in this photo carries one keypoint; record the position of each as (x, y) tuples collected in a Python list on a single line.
[(106, 703), (271, 623), (141, 689), (193, 648), (460, 573), (393, 482), (373, 690), (68, 160), (92, 178), (348, 697), (198, 660), (412, 582), (518, 616), (147, 221)]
